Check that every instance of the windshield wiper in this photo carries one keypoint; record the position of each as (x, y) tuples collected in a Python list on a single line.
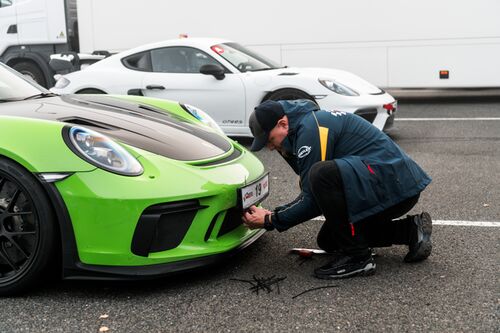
[(4, 100), (40, 95), (267, 69)]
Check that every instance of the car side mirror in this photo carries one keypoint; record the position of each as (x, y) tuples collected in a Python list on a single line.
[(213, 69)]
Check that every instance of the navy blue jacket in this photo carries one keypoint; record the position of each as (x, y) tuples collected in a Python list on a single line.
[(376, 173)]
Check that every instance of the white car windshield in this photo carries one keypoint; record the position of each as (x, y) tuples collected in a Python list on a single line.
[(244, 59)]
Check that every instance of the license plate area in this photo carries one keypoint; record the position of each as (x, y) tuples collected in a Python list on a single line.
[(254, 193)]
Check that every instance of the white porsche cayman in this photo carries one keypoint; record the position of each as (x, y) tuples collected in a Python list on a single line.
[(227, 81)]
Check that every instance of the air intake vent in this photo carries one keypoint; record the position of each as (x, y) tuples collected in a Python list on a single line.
[(86, 122), (367, 114), (232, 220), (163, 227)]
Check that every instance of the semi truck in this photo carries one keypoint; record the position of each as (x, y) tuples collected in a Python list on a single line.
[(391, 43)]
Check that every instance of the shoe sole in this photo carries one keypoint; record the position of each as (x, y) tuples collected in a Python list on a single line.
[(424, 247), (369, 269)]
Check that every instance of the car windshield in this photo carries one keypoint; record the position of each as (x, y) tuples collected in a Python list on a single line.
[(14, 87), (244, 59)]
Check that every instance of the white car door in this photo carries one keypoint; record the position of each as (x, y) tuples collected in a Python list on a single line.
[(175, 74)]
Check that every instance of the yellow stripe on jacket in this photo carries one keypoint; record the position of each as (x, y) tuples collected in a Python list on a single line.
[(323, 140)]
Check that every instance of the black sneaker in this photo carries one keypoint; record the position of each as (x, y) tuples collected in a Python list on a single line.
[(343, 266), (420, 245)]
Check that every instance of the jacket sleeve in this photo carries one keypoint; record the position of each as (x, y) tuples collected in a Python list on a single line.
[(304, 207)]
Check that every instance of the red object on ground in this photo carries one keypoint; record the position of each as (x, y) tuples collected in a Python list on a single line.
[(305, 253)]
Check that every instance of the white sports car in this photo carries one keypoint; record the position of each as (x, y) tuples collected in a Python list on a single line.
[(226, 80)]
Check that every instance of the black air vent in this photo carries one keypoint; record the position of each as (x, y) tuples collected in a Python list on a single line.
[(288, 74), (163, 227), (86, 122), (367, 114), (232, 220)]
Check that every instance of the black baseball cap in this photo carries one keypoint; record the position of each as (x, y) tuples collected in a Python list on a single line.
[(262, 120)]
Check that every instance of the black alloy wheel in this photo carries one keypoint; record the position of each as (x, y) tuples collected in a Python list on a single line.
[(26, 229)]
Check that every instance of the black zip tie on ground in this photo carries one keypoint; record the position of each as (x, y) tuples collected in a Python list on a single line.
[(262, 283), (312, 289)]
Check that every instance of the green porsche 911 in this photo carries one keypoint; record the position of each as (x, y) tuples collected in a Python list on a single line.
[(116, 187)]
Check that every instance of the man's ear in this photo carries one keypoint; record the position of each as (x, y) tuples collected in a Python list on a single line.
[(283, 122)]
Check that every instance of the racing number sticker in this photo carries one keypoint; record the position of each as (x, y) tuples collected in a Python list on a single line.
[(255, 192)]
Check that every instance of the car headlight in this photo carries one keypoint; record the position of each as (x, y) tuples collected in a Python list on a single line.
[(338, 87), (202, 116), (101, 151), (61, 82)]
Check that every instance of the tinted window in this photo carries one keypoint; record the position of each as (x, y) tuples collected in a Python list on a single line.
[(179, 60), (5, 3), (139, 61)]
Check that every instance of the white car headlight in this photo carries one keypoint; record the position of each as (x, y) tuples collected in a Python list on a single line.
[(101, 151), (61, 82), (202, 116), (338, 87)]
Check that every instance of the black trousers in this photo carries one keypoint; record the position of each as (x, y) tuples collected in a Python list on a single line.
[(337, 234)]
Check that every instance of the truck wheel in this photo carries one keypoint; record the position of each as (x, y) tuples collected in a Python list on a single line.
[(27, 229), (289, 94), (31, 71), (90, 91)]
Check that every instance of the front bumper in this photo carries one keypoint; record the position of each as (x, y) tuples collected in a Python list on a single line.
[(369, 107), (101, 215), (100, 272)]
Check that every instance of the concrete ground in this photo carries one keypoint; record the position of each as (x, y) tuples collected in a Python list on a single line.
[(455, 290)]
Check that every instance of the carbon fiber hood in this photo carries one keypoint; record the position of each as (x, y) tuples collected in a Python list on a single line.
[(139, 125)]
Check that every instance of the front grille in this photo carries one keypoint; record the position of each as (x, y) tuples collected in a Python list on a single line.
[(163, 227), (232, 220), (368, 114)]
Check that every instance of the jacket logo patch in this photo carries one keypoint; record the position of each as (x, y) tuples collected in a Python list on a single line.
[(337, 113), (303, 151)]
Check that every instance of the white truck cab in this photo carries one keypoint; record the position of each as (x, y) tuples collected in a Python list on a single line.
[(32, 30)]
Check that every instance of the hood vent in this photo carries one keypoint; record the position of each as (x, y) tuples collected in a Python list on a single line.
[(288, 74), (87, 123)]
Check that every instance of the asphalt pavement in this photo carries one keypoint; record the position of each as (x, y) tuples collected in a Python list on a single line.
[(455, 290)]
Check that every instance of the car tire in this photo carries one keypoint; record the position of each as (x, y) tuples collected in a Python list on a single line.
[(91, 91), (289, 94), (31, 71), (27, 229)]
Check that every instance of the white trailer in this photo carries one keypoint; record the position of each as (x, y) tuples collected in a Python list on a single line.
[(391, 43)]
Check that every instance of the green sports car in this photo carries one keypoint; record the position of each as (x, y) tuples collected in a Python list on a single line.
[(116, 187)]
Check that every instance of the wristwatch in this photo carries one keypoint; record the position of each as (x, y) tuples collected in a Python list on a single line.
[(267, 223)]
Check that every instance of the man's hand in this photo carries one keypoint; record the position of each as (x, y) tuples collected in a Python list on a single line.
[(253, 218)]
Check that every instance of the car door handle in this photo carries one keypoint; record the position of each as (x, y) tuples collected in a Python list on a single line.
[(155, 87)]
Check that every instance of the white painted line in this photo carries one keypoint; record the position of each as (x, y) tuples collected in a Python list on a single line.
[(452, 119), (467, 223), (450, 222)]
